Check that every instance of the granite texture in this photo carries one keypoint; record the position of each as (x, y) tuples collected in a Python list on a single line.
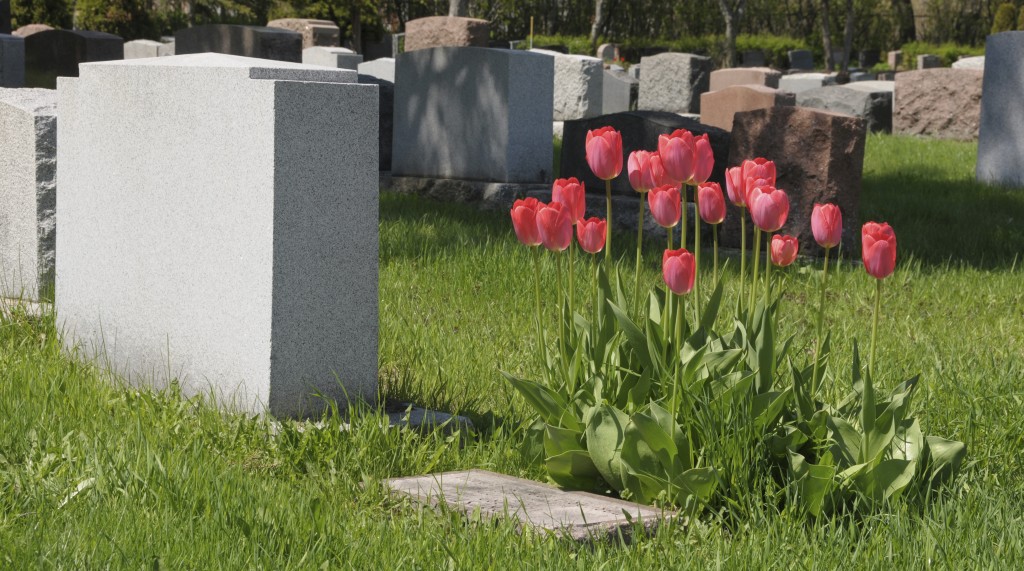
[(797, 82), (441, 31), (137, 49), (869, 100), (12, 61), (976, 62), (381, 68), (801, 59), (718, 107), (29, 29), (237, 251), (727, 77), (673, 82), (578, 87), (342, 58), (57, 53), (620, 92), (1001, 139), (386, 121), (943, 103), (248, 41), (314, 32)]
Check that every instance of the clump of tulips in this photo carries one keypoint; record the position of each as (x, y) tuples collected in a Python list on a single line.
[(642, 394)]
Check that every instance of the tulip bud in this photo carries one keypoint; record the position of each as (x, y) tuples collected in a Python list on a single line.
[(555, 226), (645, 170), (769, 207), (590, 233), (677, 155), (783, 250), (665, 205), (827, 225), (604, 152), (678, 269), (759, 168), (711, 203), (878, 249), (524, 220), (571, 193), (704, 159), (736, 186)]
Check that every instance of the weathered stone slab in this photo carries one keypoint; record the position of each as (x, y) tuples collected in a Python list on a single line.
[(718, 107), (29, 29), (895, 59), (575, 515), (869, 100), (928, 61), (797, 82), (975, 62), (492, 109), (263, 293), (640, 130), (819, 157), (53, 53), (28, 177), (314, 32), (722, 78), (439, 31), (248, 41), (608, 52), (801, 59), (341, 58), (1001, 141), (673, 82), (579, 85), (944, 103), (12, 61), (137, 49), (381, 68), (621, 92)]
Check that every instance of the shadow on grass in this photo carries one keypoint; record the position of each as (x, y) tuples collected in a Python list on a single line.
[(412, 226)]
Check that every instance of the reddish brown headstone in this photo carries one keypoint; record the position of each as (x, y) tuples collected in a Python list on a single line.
[(944, 103), (314, 32), (819, 157), (437, 31), (29, 29), (722, 78), (718, 107)]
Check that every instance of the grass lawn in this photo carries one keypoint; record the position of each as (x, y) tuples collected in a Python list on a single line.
[(94, 475)]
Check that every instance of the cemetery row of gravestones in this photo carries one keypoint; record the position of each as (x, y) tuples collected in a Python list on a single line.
[(212, 217)]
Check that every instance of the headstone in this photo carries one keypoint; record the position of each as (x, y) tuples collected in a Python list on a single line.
[(53, 53), (29, 29), (797, 82), (862, 76), (314, 32), (28, 172), (341, 58), (382, 68), (819, 157), (5, 17), (718, 107), (928, 61), (975, 62), (385, 107), (753, 58), (634, 71), (621, 92), (801, 59), (439, 31), (385, 48), (248, 41), (579, 516), (640, 131), (944, 103), (1001, 142), (608, 52), (579, 85), (895, 59), (137, 49), (12, 61), (869, 100), (869, 58), (473, 113), (674, 82), (722, 78), (236, 251), (837, 56)]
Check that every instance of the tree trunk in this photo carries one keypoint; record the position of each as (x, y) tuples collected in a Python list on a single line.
[(356, 17), (731, 14), (848, 36), (458, 8), (595, 28), (826, 36)]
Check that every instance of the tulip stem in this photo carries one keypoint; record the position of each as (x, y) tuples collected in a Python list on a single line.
[(767, 269), (874, 326), (684, 206), (714, 237), (743, 253), (608, 231), (561, 322), (536, 288), (757, 260), (572, 288), (696, 255), (821, 321), (639, 248)]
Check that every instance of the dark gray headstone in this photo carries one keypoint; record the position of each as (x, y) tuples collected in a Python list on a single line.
[(12, 61), (868, 58), (640, 130), (54, 53), (674, 82), (801, 59), (5, 16), (753, 58), (386, 122), (1001, 137), (928, 61), (249, 41), (869, 100)]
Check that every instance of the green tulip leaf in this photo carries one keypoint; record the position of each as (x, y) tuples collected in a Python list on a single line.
[(768, 407), (605, 434), (891, 477), (765, 344), (908, 444), (550, 405), (813, 483), (846, 441), (646, 429), (635, 337), (697, 482), (944, 457), (710, 315), (574, 470), (560, 440)]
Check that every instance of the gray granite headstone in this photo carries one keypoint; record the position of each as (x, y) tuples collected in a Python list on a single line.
[(473, 113), (620, 92), (797, 82), (218, 225), (56, 53), (249, 41), (342, 58), (870, 100), (137, 49), (574, 515), (381, 68), (1001, 138), (753, 58), (12, 61), (928, 61), (801, 59), (634, 71), (608, 52), (975, 62), (578, 85), (28, 177), (673, 82)]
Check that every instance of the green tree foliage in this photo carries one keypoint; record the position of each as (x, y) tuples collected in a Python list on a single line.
[(1020, 19), (56, 13), (1005, 16), (129, 19)]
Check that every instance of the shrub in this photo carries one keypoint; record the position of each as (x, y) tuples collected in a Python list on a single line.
[(1020, 19), (55, 13), (949, 52), (126, 18), (1005, 14)]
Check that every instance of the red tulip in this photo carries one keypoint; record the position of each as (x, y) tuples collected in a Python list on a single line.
[(769, 207), (678, 269), (711, 203), (784, 249), (590, 234), (736, 186), (676, 151), (604, 152), (759, 168), (827, 225), (524, 220), (665, 205), (704, 159), (572, 194), (645, 170), (878, 249), (554, 224)]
